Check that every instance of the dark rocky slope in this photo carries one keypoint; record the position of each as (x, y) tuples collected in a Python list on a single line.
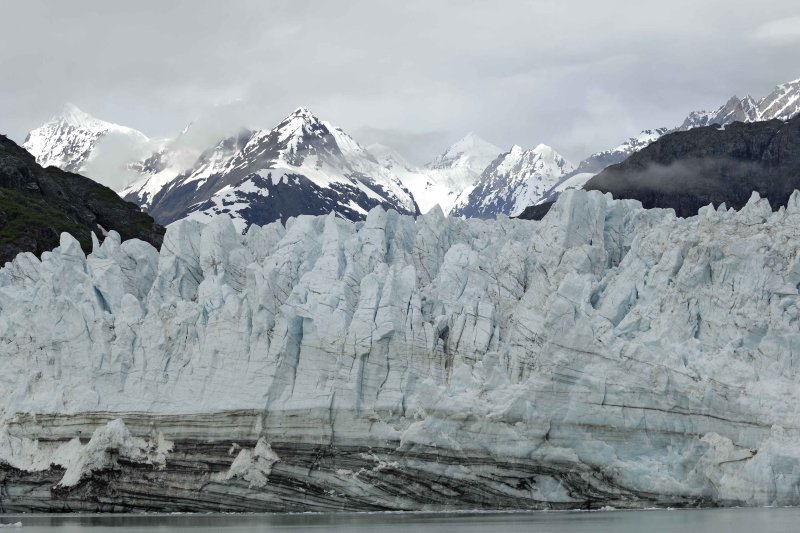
[(686, 170), (37, 204)]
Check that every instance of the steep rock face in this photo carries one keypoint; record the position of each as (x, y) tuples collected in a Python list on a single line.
[(37, 204), (607, 355), (687, 170), (513, 181), (302, 166)]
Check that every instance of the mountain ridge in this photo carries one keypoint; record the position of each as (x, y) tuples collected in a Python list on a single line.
[(37, 204), (302, 166)]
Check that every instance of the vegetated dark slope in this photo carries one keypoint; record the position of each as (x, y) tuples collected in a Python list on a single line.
[(37, 204), (686, 170)]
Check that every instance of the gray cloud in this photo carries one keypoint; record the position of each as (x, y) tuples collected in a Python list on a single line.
[(579, 75)]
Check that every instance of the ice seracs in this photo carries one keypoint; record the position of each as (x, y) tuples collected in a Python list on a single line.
[(606, 355)]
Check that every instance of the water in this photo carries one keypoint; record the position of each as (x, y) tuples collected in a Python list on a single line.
[(660, 521)]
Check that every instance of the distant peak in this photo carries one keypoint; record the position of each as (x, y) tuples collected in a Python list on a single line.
[(304, 113), (471, 143), (471, 139), (72, 114), (298, 120)]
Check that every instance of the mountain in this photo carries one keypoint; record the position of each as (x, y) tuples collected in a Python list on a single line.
[(734, 110), (38, 204), (710, 165), (460, 167), (170, 164), (303, 166), (513, 181), (596, 162), (608, 355), (78, 142), (444, 179), (470, 154), (687, 170), (420, 182), (782, 103), (180, 157)]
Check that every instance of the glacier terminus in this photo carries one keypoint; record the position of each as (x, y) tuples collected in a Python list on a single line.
[(606, 355)]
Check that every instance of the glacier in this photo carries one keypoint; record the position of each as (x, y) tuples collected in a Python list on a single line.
[(605, 355)]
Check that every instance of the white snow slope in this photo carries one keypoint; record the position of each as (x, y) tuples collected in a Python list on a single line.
[(604, 354)]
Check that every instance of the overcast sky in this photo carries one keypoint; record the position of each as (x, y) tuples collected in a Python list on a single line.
[(417, 75)]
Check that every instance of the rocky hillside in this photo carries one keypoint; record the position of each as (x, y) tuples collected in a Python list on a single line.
[(37, 204), (687, 170)]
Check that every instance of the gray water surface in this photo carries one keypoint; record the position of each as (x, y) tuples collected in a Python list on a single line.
[(657, 521)]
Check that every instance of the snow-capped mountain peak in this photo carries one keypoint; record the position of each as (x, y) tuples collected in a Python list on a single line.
[(72, 114), (459, 167), (782, 103), (300, 121), (76, 141), (470, 152), (513, 181), (304, 165)]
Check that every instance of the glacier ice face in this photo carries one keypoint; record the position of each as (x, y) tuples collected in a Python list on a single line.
[(606, 354)]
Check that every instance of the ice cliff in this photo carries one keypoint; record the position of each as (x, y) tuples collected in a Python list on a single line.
[(605, 355)]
